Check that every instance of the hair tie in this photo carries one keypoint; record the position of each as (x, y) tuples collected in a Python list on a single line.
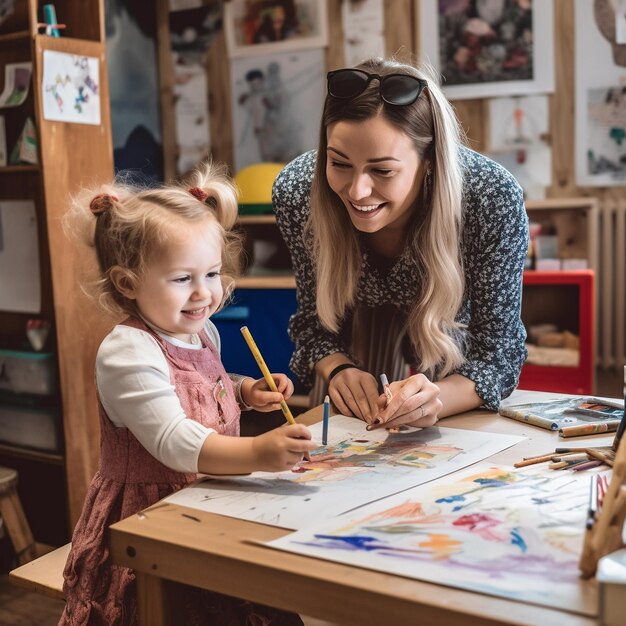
[(198, 193), (102, 203)]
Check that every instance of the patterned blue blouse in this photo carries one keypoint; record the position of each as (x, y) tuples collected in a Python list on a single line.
[(494, 245)]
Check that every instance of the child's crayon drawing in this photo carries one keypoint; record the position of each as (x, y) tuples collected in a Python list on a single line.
[(495, 530), (70, 88), (355, 468)]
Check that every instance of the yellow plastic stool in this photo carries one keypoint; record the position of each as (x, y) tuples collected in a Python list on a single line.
[(14, 519)]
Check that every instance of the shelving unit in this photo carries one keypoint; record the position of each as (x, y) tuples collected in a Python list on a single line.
[(567, 299), (53, 483)]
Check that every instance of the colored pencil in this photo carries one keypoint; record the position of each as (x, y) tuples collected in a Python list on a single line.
[(586, 465), (386, 388), (592, 509), (325, 423), (265, 371), (589, 429)]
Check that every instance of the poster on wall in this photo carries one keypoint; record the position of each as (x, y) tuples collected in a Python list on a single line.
[(518, 129), (70, 88), (191, 32), (277, 105), (363, 30), (485, 49), (600, 97), (255, 27)]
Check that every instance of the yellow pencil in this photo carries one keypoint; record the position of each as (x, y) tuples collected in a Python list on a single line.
[(266, 373)]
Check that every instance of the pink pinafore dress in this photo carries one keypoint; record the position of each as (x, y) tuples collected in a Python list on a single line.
[(130, 479)]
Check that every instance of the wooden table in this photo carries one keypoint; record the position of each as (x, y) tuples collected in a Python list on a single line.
[(216, 552)]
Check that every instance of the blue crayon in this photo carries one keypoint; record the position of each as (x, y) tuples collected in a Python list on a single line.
[(325, 423)]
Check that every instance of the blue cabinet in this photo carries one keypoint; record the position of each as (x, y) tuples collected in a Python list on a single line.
[(266, 313)]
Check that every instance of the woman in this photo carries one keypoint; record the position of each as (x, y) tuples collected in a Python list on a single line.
[(392, 209)]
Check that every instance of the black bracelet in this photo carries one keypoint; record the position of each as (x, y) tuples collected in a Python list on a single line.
[(339, 368)]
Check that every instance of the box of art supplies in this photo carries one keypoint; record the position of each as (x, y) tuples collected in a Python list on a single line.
[(27, 372), (611, 577), (564, 413), (30, 427)]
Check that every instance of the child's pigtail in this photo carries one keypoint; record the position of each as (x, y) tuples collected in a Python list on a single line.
[(212, 185), (102, 203)]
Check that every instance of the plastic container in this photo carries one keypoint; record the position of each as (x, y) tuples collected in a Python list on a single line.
[(27, 372), (30, 428)]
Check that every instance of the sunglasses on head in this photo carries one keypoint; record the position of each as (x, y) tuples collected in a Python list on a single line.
[(398, 89)]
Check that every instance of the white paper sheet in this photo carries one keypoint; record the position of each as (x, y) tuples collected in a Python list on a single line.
[(494, 530), (357, 467)]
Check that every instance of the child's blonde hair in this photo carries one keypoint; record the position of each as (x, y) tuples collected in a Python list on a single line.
[(128, 226)]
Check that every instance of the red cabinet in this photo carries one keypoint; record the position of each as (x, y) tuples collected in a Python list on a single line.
[(566, 299)]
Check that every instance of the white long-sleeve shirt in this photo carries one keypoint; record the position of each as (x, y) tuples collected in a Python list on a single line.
[(133, 381)]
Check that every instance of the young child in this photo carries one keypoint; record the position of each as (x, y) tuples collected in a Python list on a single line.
[(167, 407)]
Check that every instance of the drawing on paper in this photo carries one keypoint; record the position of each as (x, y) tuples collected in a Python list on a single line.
[(496, 530), (70, 88), (355, 468)]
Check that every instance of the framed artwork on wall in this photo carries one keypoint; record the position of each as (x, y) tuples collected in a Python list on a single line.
[(268, 26), (277, 105), (489, 47)]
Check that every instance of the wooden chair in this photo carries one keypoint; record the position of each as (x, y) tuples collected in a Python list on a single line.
[(377, 336), (15, 521)]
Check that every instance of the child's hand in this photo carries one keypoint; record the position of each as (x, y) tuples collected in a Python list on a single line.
[(280, 449), (255, 393)]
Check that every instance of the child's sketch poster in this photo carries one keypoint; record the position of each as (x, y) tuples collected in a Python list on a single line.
[(277, 105), (355, 468), (70, 88), (494, 530)]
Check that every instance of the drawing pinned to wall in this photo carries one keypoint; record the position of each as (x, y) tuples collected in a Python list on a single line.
[(16, 84), (363, 30), (277, 105), (191, 33), (600, 96), (494, 530), (70, 88), (333, 482), (489, 47), (606, 133), (264, 26), (518, 131)]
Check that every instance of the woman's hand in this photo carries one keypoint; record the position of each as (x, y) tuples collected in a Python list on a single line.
[(256, 393), (415, 402), (354, 392), (280, 449)]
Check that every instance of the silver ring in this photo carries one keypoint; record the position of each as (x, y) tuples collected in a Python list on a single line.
[(421, 411)]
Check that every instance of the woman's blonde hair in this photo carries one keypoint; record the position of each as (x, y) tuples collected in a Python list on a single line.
[(128, 225), (434, 242)]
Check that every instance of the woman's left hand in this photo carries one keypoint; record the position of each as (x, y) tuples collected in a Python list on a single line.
[(255, 393), (415, 402)]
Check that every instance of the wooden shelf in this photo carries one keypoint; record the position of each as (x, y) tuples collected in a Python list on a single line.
[(18, 169), (33, 455), (16, 37), (266, 282), (246, 220)]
